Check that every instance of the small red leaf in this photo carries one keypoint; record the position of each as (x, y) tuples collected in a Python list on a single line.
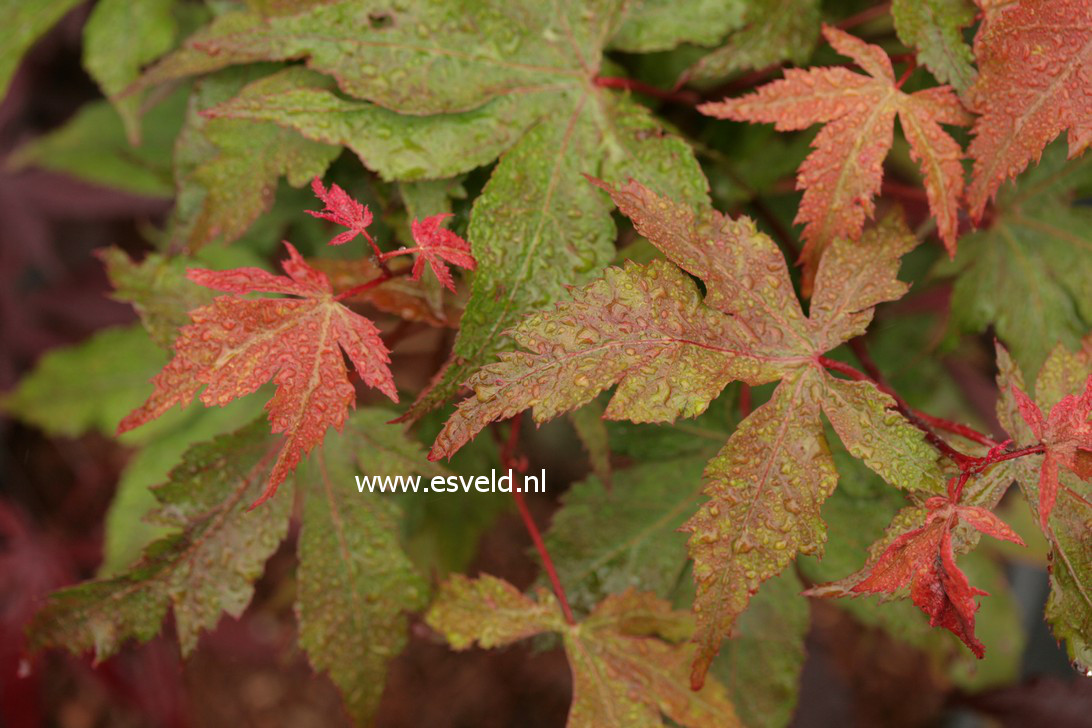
[(342, 210), (923, 559), (1066, 434), (437, 245)]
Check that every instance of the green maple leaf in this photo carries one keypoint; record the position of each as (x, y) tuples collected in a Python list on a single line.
[(647, 330), (119, 39), (352, 540), (478, 80), (775, 31), (227, 170), (628, 657), (935, 29), (660, 25), (1069, 606), (205, 568), (1028, 273), (608, 541)]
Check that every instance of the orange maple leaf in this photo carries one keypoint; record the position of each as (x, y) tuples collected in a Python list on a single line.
[(843, 174), (923, 559), (1066, 435), (1035, 65), (235, 345)]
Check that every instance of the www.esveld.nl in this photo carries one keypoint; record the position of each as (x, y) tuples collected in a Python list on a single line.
[(491, 483)]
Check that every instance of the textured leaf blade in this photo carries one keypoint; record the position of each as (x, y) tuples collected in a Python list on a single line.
[(645, 675), (604, 542), (935, 29), (227, 170), (660, 25), (1029, 275), (754, 286), (843, 174), (424, 58), (1033, 59), (873, 432), (349, 539), (762, 663), (642, 328), (765, 488), (233, 346), (776, 31), (1069, 606), (490, 612), (204, 570), (395, 146), (538, 187), (627, 658)]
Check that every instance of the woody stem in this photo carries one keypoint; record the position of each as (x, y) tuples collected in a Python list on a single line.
[(509, 461)]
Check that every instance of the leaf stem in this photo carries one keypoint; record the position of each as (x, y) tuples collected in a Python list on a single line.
[(509, 460), (865, 16), (687, 98), (385, 276), (378, 253)]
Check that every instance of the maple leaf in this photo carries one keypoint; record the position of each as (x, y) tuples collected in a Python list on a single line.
[(628, 657), (434, 246), (207, 566), (776, 31), (648, 330), (1028, 275), (233, 346), (923, 560), (843, 174), (353, 631), (1066, 435), (227, 171), (342, 209), (1069, 607), (935, 28), (1034, 59)]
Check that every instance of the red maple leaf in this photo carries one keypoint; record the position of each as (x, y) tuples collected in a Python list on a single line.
[(235, 345), (843, 174), (342, 210), (436, 245), (1034, 82), (1066, 435), (923, 559)]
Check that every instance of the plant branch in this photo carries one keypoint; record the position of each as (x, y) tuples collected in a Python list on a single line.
[(509, 460)]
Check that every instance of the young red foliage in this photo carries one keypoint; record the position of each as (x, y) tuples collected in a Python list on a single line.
[(235, 345), (1034, 59), (1067, 435), (923, 559), (843, 174), (436, 245), (342, 210)]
